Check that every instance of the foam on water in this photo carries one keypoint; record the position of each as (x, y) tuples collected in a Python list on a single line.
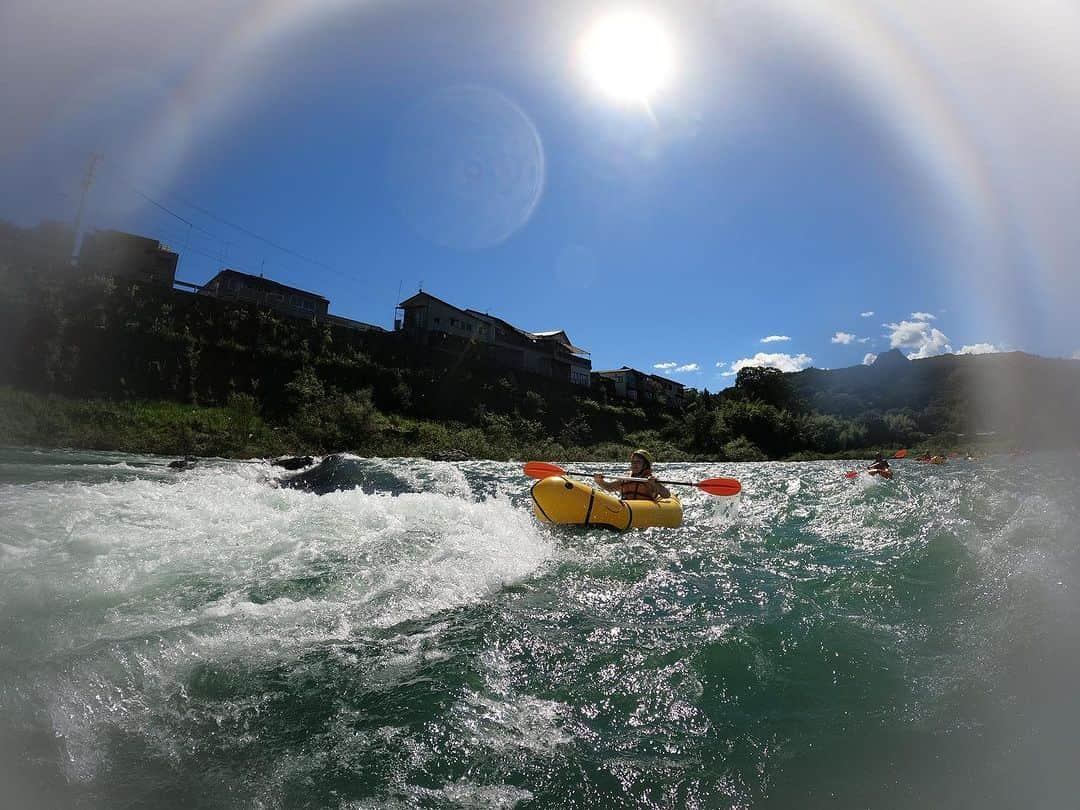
[(171, 636), (140, 580)]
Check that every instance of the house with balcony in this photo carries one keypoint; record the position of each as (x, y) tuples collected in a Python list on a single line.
[(425, 319), (628, 383), (637, 386)]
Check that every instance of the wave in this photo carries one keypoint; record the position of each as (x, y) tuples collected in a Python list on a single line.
[(415, 636)]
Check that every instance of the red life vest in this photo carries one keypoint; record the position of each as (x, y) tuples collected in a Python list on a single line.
[(635, 491)]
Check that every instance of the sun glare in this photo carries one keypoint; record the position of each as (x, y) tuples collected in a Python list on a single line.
[(627, 55)]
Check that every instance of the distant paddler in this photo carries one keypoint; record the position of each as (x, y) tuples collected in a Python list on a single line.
[(880, 467)]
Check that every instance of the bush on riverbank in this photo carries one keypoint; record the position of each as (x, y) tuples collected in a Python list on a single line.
[(332, 423), (329, 423), (165, 428)]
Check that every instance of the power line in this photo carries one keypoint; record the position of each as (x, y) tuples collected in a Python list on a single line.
[(187, 222), (244, 230), (220, 242), (173, 238), (335, 271), (226, 244), (177, 233), (223, 243)]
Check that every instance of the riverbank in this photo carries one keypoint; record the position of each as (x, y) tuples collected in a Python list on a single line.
[(238, 430)]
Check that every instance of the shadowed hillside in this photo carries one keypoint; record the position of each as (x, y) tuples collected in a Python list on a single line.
[(1016, 396)]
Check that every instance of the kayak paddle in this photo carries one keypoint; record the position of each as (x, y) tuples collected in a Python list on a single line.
[(713, 486)]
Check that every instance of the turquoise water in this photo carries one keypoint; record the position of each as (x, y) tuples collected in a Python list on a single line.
[(208, 639)]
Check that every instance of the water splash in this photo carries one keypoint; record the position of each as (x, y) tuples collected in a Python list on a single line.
[(174, 636)]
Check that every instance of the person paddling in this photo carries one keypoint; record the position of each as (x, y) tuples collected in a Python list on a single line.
[(640, 467), (880, 467)]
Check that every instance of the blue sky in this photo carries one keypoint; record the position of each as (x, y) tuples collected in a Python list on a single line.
[(840, 178)]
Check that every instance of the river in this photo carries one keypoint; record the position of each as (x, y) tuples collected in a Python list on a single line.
[(206, 638)]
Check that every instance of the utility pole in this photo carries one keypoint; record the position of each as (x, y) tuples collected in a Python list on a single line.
[(87, 182)]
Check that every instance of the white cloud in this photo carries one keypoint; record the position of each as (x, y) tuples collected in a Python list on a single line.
[(1076, 355), (843, 338), (980, 348), (784, 362), (923, 316), (920, 336), (672, 367), (721, 363), (869, 358), (775, 339), (864, 340), (866, 314)]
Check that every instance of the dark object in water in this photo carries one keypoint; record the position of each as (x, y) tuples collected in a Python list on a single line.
[(293, 462), (450, 455), (339, 472), (185, 463)]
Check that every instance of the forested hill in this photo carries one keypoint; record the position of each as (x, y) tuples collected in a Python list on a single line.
[(1020, 397)]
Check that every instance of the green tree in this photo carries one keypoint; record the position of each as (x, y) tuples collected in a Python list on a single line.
[(766, 384), (742, 449)]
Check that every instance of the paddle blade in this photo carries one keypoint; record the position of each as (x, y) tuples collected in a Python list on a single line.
[(720, 486), (851, 474), (900, 454), (541, 469)]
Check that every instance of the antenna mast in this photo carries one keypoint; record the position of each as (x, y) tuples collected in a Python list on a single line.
[(88, 181)]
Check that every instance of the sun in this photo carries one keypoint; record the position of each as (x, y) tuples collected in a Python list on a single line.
[(627, 55)]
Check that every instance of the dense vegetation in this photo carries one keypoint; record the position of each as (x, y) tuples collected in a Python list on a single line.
[(95, 361)]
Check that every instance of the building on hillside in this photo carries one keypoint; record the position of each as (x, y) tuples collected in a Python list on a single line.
[(629, 383), (565, 353), (667, 390), (349, 323), (232, 285), (46, 247), (128, 256), (550, 354), (637, 386)]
